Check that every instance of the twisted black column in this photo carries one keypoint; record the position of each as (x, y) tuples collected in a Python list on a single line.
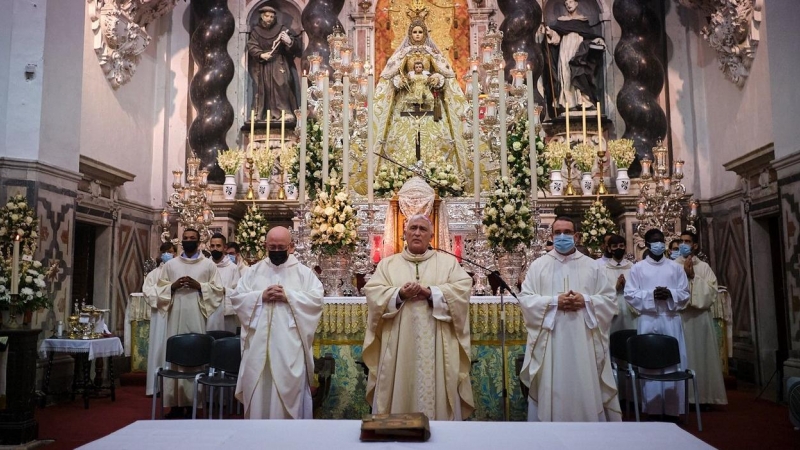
[(522, 19), (635, 55), (209, 46), (318, 19)]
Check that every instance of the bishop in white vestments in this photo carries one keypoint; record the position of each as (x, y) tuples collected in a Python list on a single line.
[(657, 289), (568, 304), (702, 347), (189, 290), (417, 342), (279, 303)]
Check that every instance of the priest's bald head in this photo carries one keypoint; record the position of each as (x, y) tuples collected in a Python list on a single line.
[(418, 234), (279, 245)]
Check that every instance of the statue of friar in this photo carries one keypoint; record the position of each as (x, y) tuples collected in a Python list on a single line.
[(272, 48)]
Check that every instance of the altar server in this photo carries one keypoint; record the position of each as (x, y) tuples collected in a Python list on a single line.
[(658, 289), (279, 304), (568, 304), (157, 345), (616, 268), (189, 290), (224, 318), (702, 347), (417, 342)]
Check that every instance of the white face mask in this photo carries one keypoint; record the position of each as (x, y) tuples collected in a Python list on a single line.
[(232, 258)]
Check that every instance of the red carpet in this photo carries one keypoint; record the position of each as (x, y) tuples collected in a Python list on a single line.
[(745, 423)]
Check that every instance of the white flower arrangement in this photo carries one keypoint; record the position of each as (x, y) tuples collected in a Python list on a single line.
[(555, 152), (446, 180), (334, 224), (389, 180), (19, 219), (251, 233), (622, 152), (264, 160), (230, 160), (313, 159), (584, 155), (507, 217), (596, 223)]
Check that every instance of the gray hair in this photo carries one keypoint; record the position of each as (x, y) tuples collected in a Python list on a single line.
[(415, 217)]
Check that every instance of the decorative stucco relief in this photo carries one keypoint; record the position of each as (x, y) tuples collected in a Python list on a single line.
[(120, 34), (732, 31)]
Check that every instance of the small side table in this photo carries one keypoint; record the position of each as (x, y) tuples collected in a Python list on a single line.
[(84, 351)]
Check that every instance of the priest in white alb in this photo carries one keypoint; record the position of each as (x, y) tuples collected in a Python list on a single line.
[(224, 318), (702, 347), (157, 345), (279, 304), (189, 290), (417, 342), (658, 289), (568, 304)]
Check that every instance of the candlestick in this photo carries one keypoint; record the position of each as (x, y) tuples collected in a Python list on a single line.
[(476, 140), (325, 128), (252, 131), (303, 137), (532, 133), (583, 110), (346, 132), (503, 125), (15, 267), (165, 218), (640, 209), (370, 138)]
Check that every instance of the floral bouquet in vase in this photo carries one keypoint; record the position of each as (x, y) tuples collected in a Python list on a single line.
[(622, 153), (230, 160), (446, 180), (595, 224), (251, 234), (507, 217), (334, 224), (264, 160)]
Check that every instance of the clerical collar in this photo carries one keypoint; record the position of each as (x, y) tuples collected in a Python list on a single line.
[(195, 256), (408, 256)]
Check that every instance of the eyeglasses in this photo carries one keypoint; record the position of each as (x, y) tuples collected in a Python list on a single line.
[(277, 249)]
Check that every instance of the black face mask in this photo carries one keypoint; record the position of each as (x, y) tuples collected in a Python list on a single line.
[(189, 246), (216, 255), (618, 253), (278, 257)]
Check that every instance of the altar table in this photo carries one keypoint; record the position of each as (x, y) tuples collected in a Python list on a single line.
[(85, 351), (343, 435)]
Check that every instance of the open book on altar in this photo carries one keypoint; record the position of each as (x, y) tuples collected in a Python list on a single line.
[(410, 427)]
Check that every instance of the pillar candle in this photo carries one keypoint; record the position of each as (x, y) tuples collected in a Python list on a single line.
[(476, 140), (567, 114), (583, 118), (325, 128), (346, 133), (303, 138), (15, 267), (599, 127), (532, 133), (252, 131), (370, 137), (503, 126), (283, 129), (269, 119)]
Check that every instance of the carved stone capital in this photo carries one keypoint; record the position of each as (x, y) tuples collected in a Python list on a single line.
[(732, 31), (120, 34)]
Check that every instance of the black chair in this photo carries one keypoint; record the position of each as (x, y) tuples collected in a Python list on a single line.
[(186, 350), (324, 368), (618, 347), (223, 372), (658, 352), (220, 334)]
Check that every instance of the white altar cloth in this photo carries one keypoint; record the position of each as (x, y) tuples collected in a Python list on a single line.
[(96, 348), (343, 435)]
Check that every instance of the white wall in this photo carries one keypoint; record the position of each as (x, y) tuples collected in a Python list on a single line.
[(783, 17), (6, 25)]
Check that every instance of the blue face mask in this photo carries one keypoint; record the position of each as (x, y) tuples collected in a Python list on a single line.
[(166, 257), (232, 258), (564, 243), (657, 248), (685, 250), (674, 254)]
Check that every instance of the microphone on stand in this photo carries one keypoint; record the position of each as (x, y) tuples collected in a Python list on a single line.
[(496, 273)]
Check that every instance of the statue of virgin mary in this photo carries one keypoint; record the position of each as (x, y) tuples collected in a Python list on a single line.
[(401, 112)]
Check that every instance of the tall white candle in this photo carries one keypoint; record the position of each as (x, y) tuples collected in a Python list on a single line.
[(583, 114), (503, 126), (283, 129), (15, 267), (346, 132), (476, 140), (303, 137), (370, 138), (532, 133), (599, 127), (269, 120), (325, 128), (252, 132), (567, 114)]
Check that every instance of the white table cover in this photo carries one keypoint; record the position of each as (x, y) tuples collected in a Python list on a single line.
[(96, 348), (343, 435)]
